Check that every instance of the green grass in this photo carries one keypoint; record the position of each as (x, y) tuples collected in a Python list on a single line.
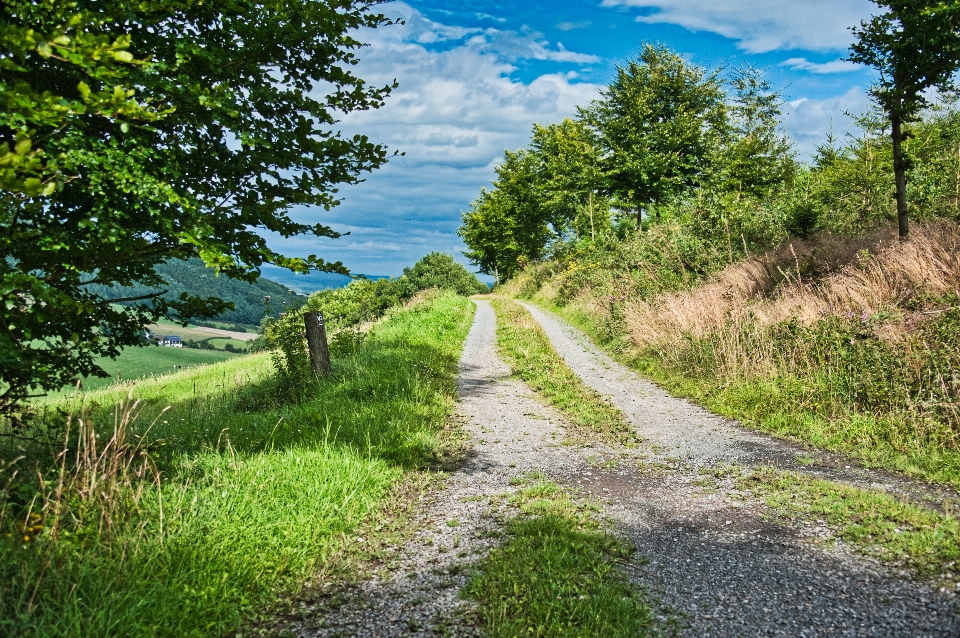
[(881, 441), (257, 491), (874, 522), (555, 575), (527, 350), (150, 361), (221, 342)]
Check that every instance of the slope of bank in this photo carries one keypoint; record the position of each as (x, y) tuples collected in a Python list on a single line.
[(848, 345)]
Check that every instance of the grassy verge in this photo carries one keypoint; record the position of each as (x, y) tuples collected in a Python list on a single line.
[(874, 522), (556, 575), (235, 492), (527, 350)]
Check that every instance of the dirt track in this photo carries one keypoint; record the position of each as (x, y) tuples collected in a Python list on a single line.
[(721, 565)]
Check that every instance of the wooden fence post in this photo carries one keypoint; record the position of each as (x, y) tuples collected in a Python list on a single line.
[(317, 342)]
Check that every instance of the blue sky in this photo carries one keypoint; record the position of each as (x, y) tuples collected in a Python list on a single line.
[(475, 75)]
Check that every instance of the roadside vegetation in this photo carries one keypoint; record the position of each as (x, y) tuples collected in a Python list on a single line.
[(861, 358), (185, 510), (556, 574), (672, 221), (526, 348)]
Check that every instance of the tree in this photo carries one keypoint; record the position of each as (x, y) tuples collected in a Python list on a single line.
[(655, 125), (161, 130), (915, 45), (491, 232), (440, 270), (755, 156), (569, 177)]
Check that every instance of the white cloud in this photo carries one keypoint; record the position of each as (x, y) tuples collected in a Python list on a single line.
[(456, 110), (762, 25), (834, 66), (809, 121)]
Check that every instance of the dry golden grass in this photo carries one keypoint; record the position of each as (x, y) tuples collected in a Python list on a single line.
[(761, 293)]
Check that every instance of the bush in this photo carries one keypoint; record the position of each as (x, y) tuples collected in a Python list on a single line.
[(360, 301), (439, 270)]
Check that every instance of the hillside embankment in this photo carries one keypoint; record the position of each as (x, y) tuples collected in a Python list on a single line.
[(852, 345)]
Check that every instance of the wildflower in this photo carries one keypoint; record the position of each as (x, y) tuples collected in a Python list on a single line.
[(849, 314), (864, 317)]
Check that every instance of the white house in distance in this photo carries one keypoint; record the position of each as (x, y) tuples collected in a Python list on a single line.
[(171, 341)]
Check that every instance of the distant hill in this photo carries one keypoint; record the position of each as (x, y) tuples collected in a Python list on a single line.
[(311, 282), (194, 277)]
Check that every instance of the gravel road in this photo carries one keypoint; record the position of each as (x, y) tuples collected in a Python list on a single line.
[(727, 569), (713, 560)]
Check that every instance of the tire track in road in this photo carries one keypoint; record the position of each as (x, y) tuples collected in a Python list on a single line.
[(729, 570)]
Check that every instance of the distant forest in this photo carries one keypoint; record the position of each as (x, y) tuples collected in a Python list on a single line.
[(194, 277)]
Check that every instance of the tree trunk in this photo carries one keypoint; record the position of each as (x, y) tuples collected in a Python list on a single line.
[(900, 175)]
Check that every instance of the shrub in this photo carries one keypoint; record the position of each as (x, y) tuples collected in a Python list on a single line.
[(439, 270)]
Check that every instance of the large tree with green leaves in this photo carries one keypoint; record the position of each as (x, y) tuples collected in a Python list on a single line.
[(754, 156), (915, 45), (656, 125), (569, 177), (134, 133)]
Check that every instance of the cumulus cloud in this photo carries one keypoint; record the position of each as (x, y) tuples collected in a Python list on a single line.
[(834, 66), (457, 108), (761, 25)]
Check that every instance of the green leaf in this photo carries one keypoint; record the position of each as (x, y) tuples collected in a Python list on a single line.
[(84, 90), (123, 56), (23, 146)]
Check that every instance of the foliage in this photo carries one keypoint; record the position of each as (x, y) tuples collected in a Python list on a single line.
[(915, 45), (656, 126), (666, 140), (757, 157), (555, 574), (181, 129), (440, 270), (252, 495), (570, 178), (499, 245)]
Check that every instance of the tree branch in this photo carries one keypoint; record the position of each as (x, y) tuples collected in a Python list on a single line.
[(122, 299)]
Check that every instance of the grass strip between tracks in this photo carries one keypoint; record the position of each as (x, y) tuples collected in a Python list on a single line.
[(876, 523), (528, 352), (555, 575)]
